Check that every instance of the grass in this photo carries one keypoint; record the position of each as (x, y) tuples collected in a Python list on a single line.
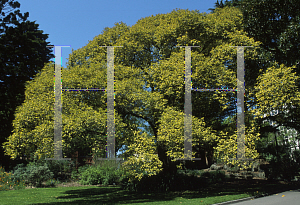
[(69, 192), (108, 195), (115, 195)]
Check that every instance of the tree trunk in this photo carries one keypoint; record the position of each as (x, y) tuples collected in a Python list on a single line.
[(168, 166), (206, 161)]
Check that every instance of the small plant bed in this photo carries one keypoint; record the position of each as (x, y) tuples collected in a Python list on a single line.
[(67, 183)]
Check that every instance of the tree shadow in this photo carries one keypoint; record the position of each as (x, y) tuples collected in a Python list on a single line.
[(116, 195)]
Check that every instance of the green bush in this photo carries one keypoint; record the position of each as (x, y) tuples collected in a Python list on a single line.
[(75, 175), (105, 173), (281, 165), (214, 176), (7, 181), (164, 183), (91, 176), (32, 174), (38, 174), (192, 172), (60, 168), (51, 183), (181, 181), (112, 177), (20, 173)]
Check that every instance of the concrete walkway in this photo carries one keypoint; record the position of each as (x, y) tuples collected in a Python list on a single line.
[(291, 197)]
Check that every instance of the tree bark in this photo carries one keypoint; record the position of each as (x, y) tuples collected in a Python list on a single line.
[(168, 166)]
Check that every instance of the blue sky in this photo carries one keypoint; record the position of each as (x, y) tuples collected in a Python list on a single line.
[(75, 22)]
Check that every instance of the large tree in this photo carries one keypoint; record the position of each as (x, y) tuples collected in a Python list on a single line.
[(23, 53), (149, 86), (276, 24)]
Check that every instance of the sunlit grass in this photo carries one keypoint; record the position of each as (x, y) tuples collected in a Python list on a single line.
[(110, 195)]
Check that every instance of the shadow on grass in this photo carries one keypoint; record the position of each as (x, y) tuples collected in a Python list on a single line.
[(118, 196), (115, 195)]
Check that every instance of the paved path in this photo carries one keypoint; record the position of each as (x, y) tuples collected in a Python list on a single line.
[(285, 198)]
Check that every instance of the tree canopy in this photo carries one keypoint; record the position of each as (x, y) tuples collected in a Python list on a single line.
[(149, 86), (274, 23)]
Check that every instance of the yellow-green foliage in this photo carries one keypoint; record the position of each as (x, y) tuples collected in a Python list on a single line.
[(171, 132), (34, 124), (277, 89), (227, 148), (148, 59), (144, 161)]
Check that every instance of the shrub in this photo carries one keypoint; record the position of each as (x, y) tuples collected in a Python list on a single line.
[(91, 176), (7, 181), (51, 183), (105, 173), (20, 173), (281, 165), (76, 174), (182, 180), (214, 176), (162, 183), (112, 176), (32, 174), (192, 172), (38, 174), (60, 168)]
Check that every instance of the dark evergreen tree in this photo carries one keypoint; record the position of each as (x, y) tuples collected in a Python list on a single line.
[(23, 53)]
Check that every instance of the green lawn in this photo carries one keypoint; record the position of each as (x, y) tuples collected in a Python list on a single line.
[(115, 195), (109, 195)]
